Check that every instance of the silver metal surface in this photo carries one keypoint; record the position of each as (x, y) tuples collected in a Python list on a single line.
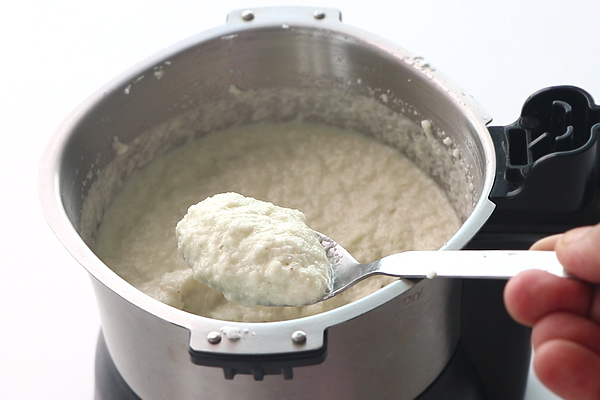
[(299, 337), (214, 337), (319, 14), (277, 50), (247, 15), (478, 264)]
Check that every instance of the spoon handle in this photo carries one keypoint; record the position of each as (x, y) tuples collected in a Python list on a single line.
[(482, 264)]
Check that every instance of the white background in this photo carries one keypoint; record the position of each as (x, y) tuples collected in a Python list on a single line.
[(55, 54)]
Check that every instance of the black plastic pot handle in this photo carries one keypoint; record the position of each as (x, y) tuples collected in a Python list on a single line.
[(548, 161)]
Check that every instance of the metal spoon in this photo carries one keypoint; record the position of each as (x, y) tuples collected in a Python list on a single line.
[(481, 264)]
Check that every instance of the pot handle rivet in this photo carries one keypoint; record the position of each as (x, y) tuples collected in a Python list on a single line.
[(319, 14), (299, 337), (214, 337), (247, 15)]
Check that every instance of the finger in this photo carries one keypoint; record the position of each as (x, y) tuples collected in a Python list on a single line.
[(547, 243), (568, 369), (578, 250), (566, 326), (534, 294)]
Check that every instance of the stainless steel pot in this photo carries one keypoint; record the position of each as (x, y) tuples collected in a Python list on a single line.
[(272, 64)]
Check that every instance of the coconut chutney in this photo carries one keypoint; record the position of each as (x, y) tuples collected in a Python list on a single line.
[(368, 196)]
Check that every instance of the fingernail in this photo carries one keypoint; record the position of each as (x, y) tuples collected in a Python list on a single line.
[(575, 235)]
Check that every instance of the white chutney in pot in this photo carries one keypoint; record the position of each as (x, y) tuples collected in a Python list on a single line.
[(367, 195)]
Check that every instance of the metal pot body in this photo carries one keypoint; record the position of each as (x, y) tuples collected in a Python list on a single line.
[(273, 64)]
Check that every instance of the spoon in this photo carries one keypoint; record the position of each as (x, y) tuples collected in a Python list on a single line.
[(480, 264)]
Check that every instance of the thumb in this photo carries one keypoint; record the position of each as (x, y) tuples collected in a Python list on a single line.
[(578, 250)]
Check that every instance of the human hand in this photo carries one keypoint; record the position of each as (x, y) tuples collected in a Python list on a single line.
[(564, 314)]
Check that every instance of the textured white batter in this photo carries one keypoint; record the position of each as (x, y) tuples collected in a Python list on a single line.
[(366, 195), (253, 251)]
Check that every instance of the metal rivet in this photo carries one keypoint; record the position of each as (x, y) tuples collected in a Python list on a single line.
[(247, 15), (319, 14), (214, 337), (299, 337)]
